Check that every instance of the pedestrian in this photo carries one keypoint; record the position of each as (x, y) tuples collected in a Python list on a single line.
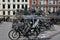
[(0, 20), (7, 19), (4, 18)]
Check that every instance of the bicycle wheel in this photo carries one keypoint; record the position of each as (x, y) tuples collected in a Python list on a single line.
[(13, 35)]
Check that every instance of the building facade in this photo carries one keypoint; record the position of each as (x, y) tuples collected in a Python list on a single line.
[(45, 5), (8, 7)]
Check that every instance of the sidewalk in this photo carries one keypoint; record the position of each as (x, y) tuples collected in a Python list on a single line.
[(50, 34)]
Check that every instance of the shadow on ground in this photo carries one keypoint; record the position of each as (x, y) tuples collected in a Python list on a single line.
[(36, 39)]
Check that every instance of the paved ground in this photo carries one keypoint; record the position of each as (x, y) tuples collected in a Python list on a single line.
[(56, 37), (6, 26), (4, 29), (51, 33)]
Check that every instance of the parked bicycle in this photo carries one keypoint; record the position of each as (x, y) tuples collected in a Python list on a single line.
[(28, 24)]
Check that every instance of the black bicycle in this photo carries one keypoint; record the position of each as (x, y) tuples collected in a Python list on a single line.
[(24, 29), (28, 27)]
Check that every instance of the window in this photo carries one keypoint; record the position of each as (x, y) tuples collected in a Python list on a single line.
[(26, 6), (53, 8), (3, 6), (25, 0), (44, 2), (39, 2), (8, 6), (3, 12), (13, 12), (53, 2), (13, 0), (18, 6), (8, 12), (22, 0), (13, 6), (34, 2), (22, 6), (59, 2), (49, 3), (3, 0), (8, 0), (59, 6), (18, 0)]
